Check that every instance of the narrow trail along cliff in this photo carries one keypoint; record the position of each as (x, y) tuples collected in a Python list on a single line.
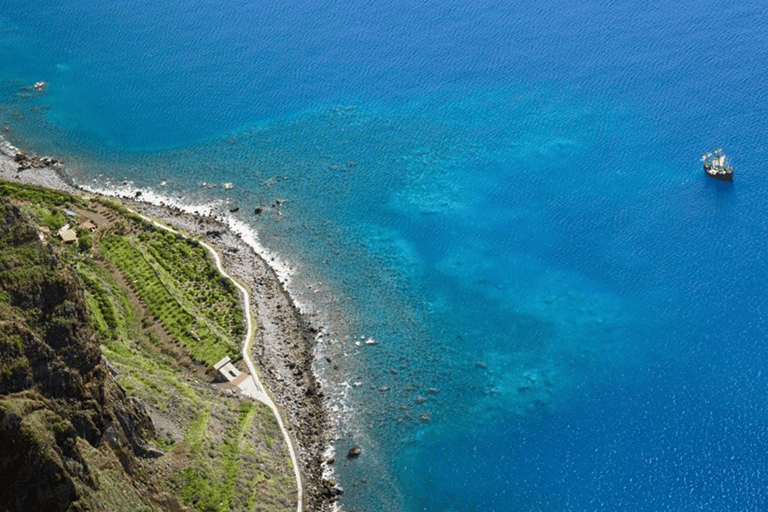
[(256, 389)]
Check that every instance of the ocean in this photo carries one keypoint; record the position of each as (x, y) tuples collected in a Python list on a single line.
[(532, 297)]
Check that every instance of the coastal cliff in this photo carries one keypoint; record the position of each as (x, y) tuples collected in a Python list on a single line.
[(59, 405), (108, 401)]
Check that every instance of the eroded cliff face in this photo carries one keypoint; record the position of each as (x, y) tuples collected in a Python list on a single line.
[(65, 422)]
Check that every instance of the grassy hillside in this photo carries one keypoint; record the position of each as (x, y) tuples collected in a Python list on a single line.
[(161, 316)]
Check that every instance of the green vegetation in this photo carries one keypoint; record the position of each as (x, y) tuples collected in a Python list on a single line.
[(236, 455), (197, 429), (190, 270), (158, 305), (15, 366), (84, 243), (35, 195), (228, 477), (101, 306), (198, 333), (54, 219)]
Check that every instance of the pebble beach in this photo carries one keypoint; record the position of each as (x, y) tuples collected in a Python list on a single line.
[(283, 341)]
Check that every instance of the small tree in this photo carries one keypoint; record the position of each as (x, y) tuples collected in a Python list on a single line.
[(84, 243)]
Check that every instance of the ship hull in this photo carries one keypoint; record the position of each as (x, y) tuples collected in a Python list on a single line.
[(719, 175)]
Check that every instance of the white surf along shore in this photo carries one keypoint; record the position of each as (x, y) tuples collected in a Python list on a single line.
[(313, 477), (255, 389)]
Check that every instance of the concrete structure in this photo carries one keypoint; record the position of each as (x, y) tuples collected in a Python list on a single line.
[(90, 226), (227, 369), (68, 234)]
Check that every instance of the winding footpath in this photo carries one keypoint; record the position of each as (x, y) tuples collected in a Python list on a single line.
[(252, 386)]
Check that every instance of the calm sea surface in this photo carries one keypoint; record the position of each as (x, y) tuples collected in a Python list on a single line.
[(533, 298)]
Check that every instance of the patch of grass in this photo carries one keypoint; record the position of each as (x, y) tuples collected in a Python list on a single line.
[(210, 484), (19, 364), (195, 334), (97, 317), (183, 389), (37, 429), (104, 308), (112, 493), (196, 431), (35, 194), (119, 352), (16, 342), (54, 219)]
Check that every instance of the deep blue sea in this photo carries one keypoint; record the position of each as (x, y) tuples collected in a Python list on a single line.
[(533, 297)]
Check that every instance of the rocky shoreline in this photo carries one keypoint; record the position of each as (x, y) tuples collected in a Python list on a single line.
[(284, 341)]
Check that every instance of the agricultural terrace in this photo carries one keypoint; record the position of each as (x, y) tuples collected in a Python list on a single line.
[(180, 286), (220, 454)]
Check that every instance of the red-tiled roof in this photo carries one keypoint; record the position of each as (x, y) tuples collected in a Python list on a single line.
[(240, 378)]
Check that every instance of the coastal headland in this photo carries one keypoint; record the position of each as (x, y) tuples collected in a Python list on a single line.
[(282, 350)]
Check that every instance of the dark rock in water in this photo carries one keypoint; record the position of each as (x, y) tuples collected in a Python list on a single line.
[(329, 490), (138, 194), (354, 452), (26, 161), (258, 210), (233, 210)]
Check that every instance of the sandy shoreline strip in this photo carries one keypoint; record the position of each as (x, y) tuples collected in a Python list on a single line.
[(283, 340)]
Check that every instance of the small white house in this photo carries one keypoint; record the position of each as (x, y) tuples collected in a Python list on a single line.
[(227, 369)]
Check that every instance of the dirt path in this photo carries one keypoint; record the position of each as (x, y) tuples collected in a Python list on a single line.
[(254, 388)]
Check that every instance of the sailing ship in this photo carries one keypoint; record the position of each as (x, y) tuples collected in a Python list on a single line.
[(717, 166)]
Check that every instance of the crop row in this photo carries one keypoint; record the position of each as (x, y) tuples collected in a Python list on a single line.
[(181, 325), (103, 302), (190, 268)]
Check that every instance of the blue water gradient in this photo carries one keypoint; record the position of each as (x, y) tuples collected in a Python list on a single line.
[(533, 297)]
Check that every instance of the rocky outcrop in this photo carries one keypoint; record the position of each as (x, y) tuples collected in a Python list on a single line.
[(24, 160), (58, 402), (32, 162)]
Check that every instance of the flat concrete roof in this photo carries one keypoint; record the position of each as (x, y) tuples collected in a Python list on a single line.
[(221, 363)]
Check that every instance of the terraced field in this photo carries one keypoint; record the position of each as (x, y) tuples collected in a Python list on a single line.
[(162, 270), (160, 308)]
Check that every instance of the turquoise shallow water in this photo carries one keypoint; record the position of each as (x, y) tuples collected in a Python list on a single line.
[(506, 199)]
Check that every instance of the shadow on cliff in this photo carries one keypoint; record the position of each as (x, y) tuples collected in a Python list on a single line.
[(63, 417)]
